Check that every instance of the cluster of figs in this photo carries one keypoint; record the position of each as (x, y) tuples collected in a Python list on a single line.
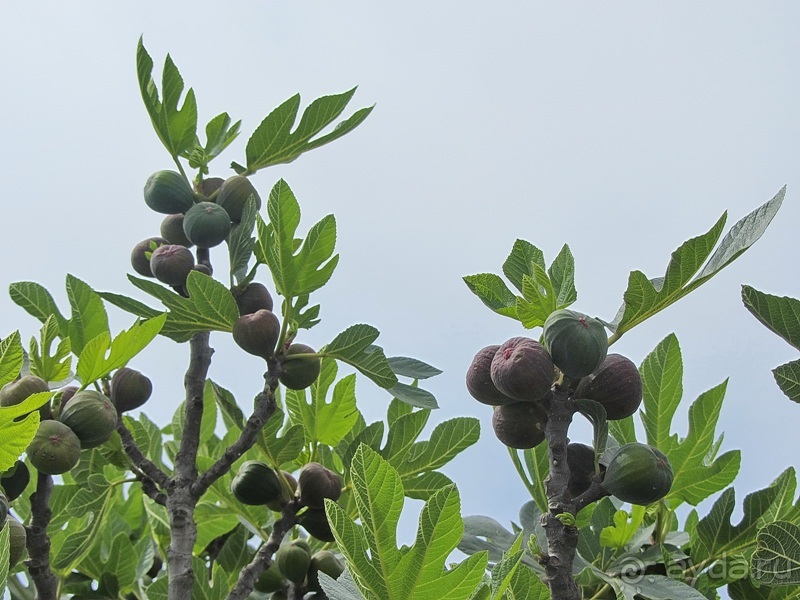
[(78, 419), (258, 484), (518, 378)]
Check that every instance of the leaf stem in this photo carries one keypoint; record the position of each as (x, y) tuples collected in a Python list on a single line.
[(521, 471)]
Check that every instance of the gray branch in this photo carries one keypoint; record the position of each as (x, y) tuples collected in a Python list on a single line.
[(38, 542)]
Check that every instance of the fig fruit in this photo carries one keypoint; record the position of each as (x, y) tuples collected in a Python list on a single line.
[(639, 474), (234, 193), (270, 580), (171, 264), (252, 297), (257, 333), (580, 459), (255, 483), (17, 391), (327, 562), (316, 483), (55, 449), (315, 522), (140, 255), (167, 192), (278, 503), (520, 425), (17, 541), (293, 560), (130, 389), (616, 384), (172, 230), (61, 398), (209, 186), (15, 480), (522, 369), (91, 416), (299, 373), (479, 379), (577, 343), (206, 224)]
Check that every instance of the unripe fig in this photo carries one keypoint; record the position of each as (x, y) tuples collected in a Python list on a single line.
[(130, 389), (172, 230), (206, 224), (315, 522), (639, 474), (299, 373), (140, 255), (255, 483), (18, 391), (252, 297), (577, 343), (167, 192), (520, 425), (233, 195), (616, 384), (257, 333), (293, 560), (15, 480), (479, 379), (17, 541), (286, 495), (270, 580), (91, 416), (171, 264), (580, 459), (327, 562), (316, 483), (210, 185), (522, 369), (55, 448)]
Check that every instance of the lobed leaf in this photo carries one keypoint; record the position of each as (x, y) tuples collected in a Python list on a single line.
[(776, 560)]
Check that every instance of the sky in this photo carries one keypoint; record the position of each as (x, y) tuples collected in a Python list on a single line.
[(619, 128)]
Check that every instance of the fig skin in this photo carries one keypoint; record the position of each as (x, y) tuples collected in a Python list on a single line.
[(257, 333), (576, 342), (479, 379), (15, 480), (316, 483), (209, 185), (293, 560), (299, 373), (639, 474), (523, 370), (255, 483), (580, 459), (140, 262), (519, 425), (17, 541), (167, 192), (130, 389), (616, 384), (55, 449), (91, 416), (253, 297), (16, 392), (206, 224), (234, 194), (315, 522), (172, 230), (171, 264)]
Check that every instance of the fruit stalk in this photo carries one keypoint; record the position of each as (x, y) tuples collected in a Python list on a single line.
[(38, 543)]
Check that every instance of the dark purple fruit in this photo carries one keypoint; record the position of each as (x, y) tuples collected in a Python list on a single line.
[(204, 269), (577, 343), (91, 416), (580, 459), (140, 255), (167, 192), (61, 398), (206, 224), (315, 522), (171, 264), (522, 369), (316, 483), (519, 425), (255, 483), (278, 503), (257, 333), (233, 195), (55, 448), (639, 474), (616, 384), (210, 185), (15, 480), (479, 379), (252, 297), (299, 373), (172, 230), (130, 389)]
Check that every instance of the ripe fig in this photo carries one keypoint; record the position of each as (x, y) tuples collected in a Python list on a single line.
[(203, 268), (257, 333), (167, 192), (91, 416), (479, 379), (61, 398), (210, 185), (520, 425), (172, 230), (17, 391), (140, 255), (255, 483), (616, 384), (233, 195), (293, 560), (286, 495), (316, 483), (130, 389), (55, 448), (206, 224), (577, 343), (315, 522), (580, 459), (15, 480), (171, 264), (17, 541), (252, 297), (522, 369), (639, 474), (299, 373)]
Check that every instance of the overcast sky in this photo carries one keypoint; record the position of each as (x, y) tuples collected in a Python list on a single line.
[(620, 128)]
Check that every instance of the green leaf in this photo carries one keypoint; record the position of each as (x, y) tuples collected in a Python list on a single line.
[(448, 439), (219, 135), (89, 317), (624, 528), (521, 262), (354, 347), (596, 414), (413, 396), (662, 387), (11, 358), (562, 274), (788, 379), (17, 432), (537, 461), (779, 314), (44, 363), (274, 143), (623, 430), (381, 570), (241, 241), (494, 293), (411, 367), (424, 485), (81, 539), (403, 433), (213, 521), (776, 560), (4, 557), (37, 302)]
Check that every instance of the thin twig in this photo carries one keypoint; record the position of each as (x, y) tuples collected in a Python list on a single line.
[(144, 464)]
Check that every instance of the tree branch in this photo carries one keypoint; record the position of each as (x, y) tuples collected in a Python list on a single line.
[(38, 542), (148, 468)]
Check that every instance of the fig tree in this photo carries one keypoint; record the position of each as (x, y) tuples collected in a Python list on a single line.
[(316, 483), (91, 416), (639, 474), (257, 333), (15, 480), (172, 230), (522, 369), (255, 483), (206, 224), (519, 425), (234, 193), (293, 560), (167, 192), (299, 373), (130, 389), (577, 343), (171, 264), (140, 255), (616, 384), (55, 448), (479, 379), (252, 297)]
